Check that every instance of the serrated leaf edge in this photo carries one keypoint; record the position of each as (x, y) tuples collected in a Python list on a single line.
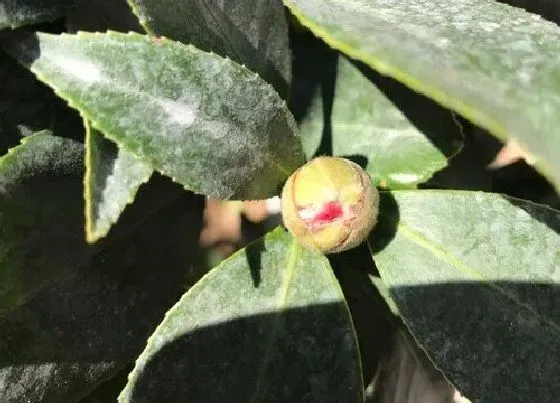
[(15, 149), (282, 106), (92, 235)]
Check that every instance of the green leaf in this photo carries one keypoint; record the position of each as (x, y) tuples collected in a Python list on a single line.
[(208, 123), (72, 314), (27, 106), (14, 13), (269, 324), (369, 127), (112, 179), (476, 277), (26, 219), (495, 64), (252, 32)]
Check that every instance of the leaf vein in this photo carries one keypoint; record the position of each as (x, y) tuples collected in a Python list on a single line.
[(447, 257), (290, 271)]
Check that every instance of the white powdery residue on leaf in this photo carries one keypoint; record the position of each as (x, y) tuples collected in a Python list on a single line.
[(82, 70), (404, 177), (525, 76), (178, 112), (488, 26)]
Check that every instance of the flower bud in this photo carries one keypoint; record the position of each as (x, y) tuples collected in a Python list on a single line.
[(330, 204)]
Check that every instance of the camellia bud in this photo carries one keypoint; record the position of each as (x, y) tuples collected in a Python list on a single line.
[(330, 204)]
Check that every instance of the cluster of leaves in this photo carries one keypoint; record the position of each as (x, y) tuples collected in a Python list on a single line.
[(194, 103)]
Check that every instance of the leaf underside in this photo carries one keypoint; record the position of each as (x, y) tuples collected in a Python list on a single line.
[(112, 178)]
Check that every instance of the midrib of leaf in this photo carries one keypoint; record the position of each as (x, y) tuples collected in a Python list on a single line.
[(144, 23), (291, 268), (217, 29), (470, 271)]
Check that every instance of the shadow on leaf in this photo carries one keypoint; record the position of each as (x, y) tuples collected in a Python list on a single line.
[(547, 216), (295, 355), (254, 251), (490, 345), (314, 68), (387, 221), (548, 9), (372, 319), (441, 128), (27, 106), (79, 313)]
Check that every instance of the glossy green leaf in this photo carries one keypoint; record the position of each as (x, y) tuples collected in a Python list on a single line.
[(269, 324), (14, 13), (28, 106), (252, 32), (72, 314), (476, 277), (112, 179), (368, 126), (495, 64), (207, 122)]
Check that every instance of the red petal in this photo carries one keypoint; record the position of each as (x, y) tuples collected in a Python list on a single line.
[(329, 212)]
